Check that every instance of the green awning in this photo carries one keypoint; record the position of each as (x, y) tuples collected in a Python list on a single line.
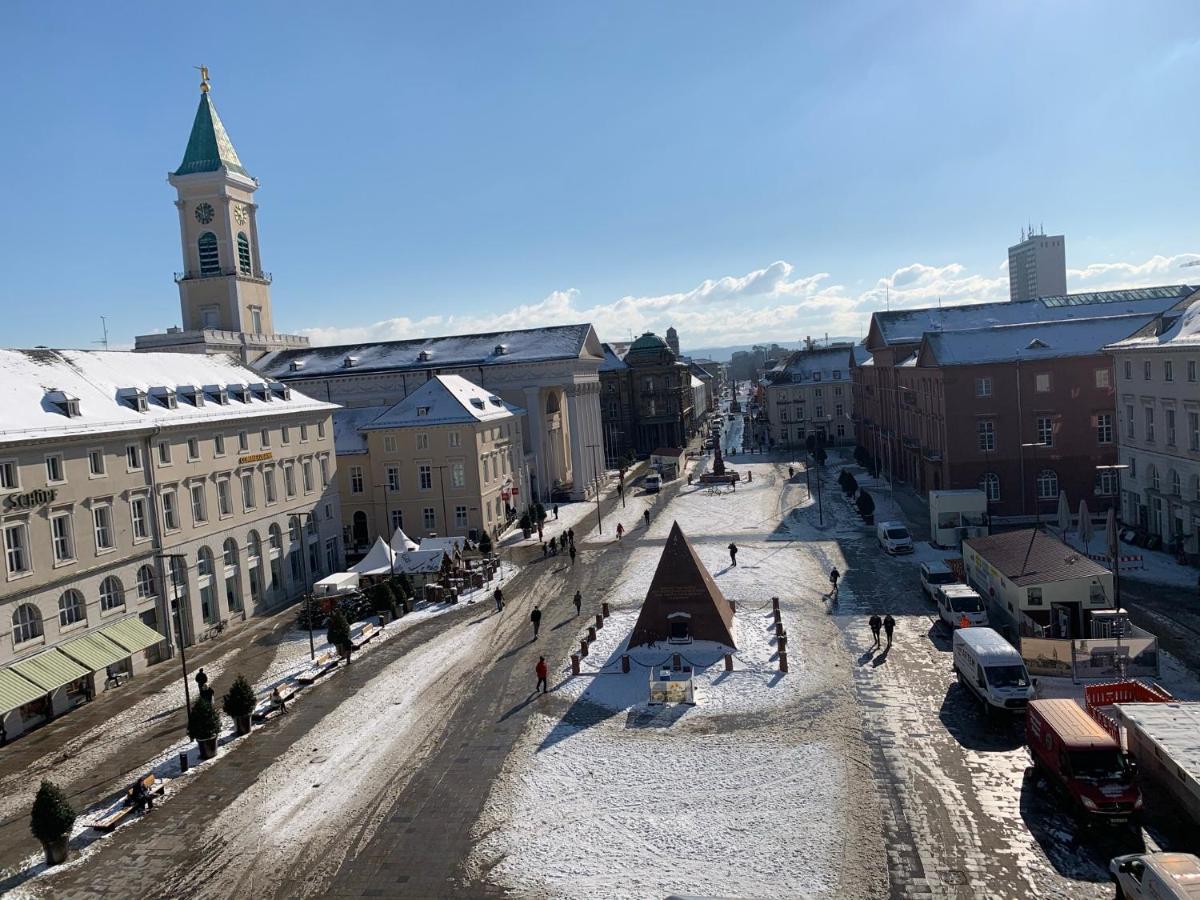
[(94, 651), (16, 691), (50, 670), (132, 634)]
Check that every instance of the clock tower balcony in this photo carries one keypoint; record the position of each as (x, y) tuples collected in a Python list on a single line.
[(191, 275)]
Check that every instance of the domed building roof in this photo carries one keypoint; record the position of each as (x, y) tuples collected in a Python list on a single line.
[(648, 343)]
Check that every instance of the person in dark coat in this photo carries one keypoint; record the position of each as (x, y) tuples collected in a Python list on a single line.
[(889, 625), (499, 598), (646, 516), (556, 510), (572, 554), (536, 618), (142, 801), (578, 596), (732, 553), (201, 679), (834, 575), (876, 623), (542, 673), (571, 535)]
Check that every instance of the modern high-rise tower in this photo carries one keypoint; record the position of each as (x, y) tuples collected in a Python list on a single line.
[(224, 294), (1037, 267)]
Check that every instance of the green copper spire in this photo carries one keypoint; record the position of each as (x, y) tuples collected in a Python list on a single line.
[(209, 147)]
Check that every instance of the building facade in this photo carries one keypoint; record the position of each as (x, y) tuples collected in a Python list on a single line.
[(1158, 411), (648, 398), (183, 492), (445, 461), (810, 393), (1037, 267)]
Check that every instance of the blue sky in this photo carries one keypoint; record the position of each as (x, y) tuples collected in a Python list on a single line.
[(744, 171)]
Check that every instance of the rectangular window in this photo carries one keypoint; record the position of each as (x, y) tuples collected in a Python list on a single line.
[(1045, 430), (139, 518), (219, 445), (133, 458), (837, 410), (304, 434), (986, 430), (1128, 370), (1129, 421), (1191, 370), (429, 518), (1194, 431), (1146, 370), (306, 474), (356, 479), (170, 510), (393, 478), (397, 520), (454, 439), (460, 517), (458, 475), (1150, 423), (1106, 484), (323, 462), (199, 515), (96, 463), (1102, 378), (1034, 596), (422, 440), (164, 453), (60, 533), (243, 442), (16, 548), (1104, 428), (389, 443), (487, 475), (983, 387), (248, 490), (321, 430), (285, 435), (1169, 415), (1041, 382), (264, 438), (269, 491), (425, 477), (1168, 370), (8, 475), (102, 527), (54, 469), (224, 500)]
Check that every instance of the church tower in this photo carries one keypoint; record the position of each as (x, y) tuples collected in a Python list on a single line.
[(224, 294)]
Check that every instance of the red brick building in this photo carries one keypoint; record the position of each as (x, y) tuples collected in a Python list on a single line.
[(950, 396)]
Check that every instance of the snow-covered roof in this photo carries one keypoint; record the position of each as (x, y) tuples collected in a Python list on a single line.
[(905, 326), (346, 424), (1174, 728), (819, 364), (444, 400), (1170, 333), (448, 544), (492, 349), (1041, 340), (63, 393), (613, 361), (416, 562), (378, 561), (696, 382), (401, 542)]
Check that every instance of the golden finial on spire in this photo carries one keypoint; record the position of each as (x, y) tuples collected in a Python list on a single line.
[(203, 78)]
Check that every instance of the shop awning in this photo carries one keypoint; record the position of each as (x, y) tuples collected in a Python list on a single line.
[(16, 691), (132, 634), (50, 670), (94, 651)]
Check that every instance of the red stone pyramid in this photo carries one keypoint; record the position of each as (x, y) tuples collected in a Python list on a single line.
[(683, 599)]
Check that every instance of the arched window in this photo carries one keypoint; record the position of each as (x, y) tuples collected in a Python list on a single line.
[(71, 608), (294, 531), (233, 591), (27, 623), (253, 548), (210, 259), (179, 578), (244, 254), (990, 485), (254, 558), (231, 553), (112, 593), (1047, 484), (1176, 487), (204, 563), (145, 584)]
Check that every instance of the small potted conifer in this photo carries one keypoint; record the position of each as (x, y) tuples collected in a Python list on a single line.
[(239, 704), (339, 634), (51, 822), (204, 727)]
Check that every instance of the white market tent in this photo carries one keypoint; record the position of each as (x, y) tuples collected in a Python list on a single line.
[(420, 562), (379, 561), (452, 545), (401, 541)]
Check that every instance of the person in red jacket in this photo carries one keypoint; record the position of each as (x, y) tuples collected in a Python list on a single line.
[(542, 672)]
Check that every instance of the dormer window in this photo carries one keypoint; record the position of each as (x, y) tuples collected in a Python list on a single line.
[(134, 398), (190, 394), (501, 349), (239, 392), (165, 396), (477, 403), (63, 402), (349, 362), (422, 410), (425, 355), (495, 401), (295, 365), (282, 391), (260, 391), (217, 394)]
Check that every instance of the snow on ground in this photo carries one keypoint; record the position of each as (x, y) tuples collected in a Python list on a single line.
[(597, 774), (1156, 567)]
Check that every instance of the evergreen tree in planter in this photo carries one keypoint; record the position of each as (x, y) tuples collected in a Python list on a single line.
[(402, 589), (204, 727), (820, 455), (540, 512), (526, 524), (239, 704), (485, 544), (51, 822), (339, 635), (866, 507), (849, 483)]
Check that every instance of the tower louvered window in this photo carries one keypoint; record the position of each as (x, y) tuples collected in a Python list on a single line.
[(243, 254), (210, 259)]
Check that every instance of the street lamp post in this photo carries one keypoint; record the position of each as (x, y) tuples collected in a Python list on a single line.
[(387, 524), (178, 614), (298, 518), (599, 518)]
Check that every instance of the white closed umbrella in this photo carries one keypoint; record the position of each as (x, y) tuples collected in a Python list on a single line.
[(1110, 528), (1064, 514), (1085, 525)]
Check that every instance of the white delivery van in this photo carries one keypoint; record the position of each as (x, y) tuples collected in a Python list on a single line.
[(894, 537), (652, 483), (934, 574), (957, 603), (991, 668), (1161, 876)]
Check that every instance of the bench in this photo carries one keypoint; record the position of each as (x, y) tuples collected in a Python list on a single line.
[(267, 707), (368, 631), (325, 662), (114, 817)]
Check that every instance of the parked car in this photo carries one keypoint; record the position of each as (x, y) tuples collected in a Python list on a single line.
[(1071, 749), (958, 603), (1157, 875), (934, 574), (991, 668), (652, 483), (893, 537)]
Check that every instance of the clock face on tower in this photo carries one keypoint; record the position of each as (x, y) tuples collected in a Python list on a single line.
[(239, 213), (204, 213)]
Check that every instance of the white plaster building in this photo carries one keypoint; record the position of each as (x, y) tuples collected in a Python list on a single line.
[(1157, 373), (810, 392)]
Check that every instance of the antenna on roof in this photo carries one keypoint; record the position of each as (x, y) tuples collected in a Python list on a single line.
[(887, 296), (103, 342)]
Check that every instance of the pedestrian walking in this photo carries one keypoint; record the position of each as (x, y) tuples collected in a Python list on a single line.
[(834, 576), (545, 551), (562, 540), (572, 554), (621, 494), (620, 530), (889, 625), (571, 535), (750, 475), (542, 672), (499, 598), (646, 516), (876, 623), (201, 679), (277, 700), (556, 511), (732, 554), (578, 600), (536, 618), (689, 479), (207, 693)]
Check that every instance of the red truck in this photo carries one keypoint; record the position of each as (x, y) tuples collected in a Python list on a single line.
[(1072, 751)]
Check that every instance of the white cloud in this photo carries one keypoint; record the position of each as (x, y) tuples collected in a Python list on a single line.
[(771, 303)]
